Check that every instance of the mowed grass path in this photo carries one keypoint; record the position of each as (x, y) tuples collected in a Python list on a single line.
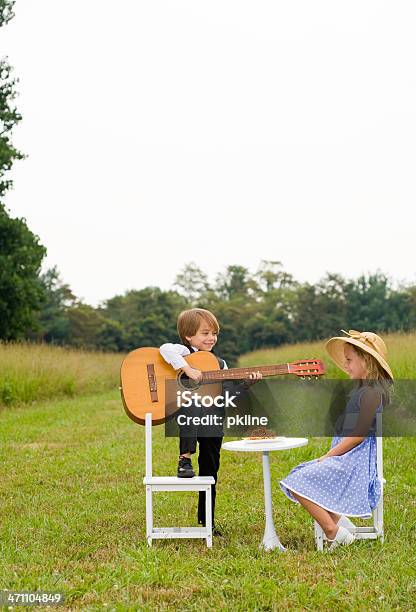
[(73, 519)]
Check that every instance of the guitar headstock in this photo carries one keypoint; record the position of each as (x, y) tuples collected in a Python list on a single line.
[(307, 368)]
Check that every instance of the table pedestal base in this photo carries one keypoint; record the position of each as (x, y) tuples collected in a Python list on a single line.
[(270, 538), (271, 541)]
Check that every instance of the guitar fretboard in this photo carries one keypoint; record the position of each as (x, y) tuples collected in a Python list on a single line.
[(241, 373)]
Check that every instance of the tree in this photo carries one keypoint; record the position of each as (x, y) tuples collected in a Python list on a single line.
[(85, 324), (147, 317), (21, 254), (330, 305), (54, 320), (21, 290), (408, 302), (192, 283), (368, 303), (9, 116), (271, 276), (235, 282)]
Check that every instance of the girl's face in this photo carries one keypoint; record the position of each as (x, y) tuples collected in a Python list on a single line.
[(205, 338), (354, 364)]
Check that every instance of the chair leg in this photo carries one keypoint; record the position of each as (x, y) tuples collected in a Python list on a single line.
[(319, 537), (208, 516), (149, 515), (378, 518)]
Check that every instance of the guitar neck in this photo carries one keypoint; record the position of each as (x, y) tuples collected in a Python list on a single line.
[(242, 373)]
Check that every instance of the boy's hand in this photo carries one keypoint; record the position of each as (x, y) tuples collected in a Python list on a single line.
[(253, 378), (193, 373)]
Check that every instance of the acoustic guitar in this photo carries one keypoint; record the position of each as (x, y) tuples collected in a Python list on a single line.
[(145, 375)]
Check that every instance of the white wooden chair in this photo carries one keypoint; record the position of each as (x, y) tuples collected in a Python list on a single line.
[(376, 530), (171, 483)]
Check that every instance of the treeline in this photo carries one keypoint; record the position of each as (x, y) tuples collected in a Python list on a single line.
[(265, 308)]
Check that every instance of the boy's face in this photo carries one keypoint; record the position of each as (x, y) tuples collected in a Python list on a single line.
[(204, 339)]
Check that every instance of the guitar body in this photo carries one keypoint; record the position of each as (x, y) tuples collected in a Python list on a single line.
[(143, 378)]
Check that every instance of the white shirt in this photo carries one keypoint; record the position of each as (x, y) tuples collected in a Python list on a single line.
[(175, 353)]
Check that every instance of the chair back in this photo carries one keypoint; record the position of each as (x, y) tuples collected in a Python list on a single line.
[(379, 446)]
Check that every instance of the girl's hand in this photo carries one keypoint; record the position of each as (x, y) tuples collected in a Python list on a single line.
[(253, 378), (193, 373), (323, 457)]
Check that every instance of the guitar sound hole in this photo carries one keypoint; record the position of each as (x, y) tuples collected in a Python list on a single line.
[(186, 383)]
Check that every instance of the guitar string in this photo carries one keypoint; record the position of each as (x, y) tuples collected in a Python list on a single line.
[(240, 373)]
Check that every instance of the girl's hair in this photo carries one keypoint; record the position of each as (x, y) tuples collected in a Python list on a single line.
[(376, 374), (189, 322)]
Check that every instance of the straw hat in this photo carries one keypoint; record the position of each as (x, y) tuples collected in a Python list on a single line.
[(367, 341)]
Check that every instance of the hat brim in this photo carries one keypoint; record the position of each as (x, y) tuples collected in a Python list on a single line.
[(335, 349)]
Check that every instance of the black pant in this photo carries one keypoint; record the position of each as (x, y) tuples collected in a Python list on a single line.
[(209, 449), (209, 464)]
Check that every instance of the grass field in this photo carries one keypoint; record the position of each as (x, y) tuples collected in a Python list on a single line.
[(31, 373), (72, 517)]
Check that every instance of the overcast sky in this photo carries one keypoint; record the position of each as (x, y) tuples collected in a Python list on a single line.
[(221, 132)]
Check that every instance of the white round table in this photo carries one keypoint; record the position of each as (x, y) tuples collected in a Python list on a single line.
[(270, 539)]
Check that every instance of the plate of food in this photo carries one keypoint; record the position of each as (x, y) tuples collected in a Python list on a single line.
[(261, 435)]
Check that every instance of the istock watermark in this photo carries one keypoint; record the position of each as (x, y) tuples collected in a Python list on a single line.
[(185, 399), (211, 420)]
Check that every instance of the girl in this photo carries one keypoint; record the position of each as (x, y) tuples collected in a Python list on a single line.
[(344, 481)]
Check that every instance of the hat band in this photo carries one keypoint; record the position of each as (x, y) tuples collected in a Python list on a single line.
[(356, 335)]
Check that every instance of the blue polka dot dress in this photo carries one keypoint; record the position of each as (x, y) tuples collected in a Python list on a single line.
[(347, 484)]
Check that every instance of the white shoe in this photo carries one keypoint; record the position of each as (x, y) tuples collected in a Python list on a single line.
[(343, 537), (344, 521)]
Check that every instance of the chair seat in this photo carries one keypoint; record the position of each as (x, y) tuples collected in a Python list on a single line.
[(173, 480)]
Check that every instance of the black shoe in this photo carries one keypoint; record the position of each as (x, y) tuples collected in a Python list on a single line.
[(185, 469)]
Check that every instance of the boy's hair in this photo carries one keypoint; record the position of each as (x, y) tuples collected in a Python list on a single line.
[(376, 374), (190, 320)]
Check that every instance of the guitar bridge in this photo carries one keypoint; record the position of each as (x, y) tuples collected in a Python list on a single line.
[(151, 377)]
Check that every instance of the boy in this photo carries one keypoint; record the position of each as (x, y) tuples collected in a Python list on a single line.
[(198, 330)]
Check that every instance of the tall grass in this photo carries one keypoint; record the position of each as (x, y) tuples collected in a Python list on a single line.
[(401, 355), (34, 372)]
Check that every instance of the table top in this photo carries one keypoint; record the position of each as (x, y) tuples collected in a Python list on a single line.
[(282, 444)]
